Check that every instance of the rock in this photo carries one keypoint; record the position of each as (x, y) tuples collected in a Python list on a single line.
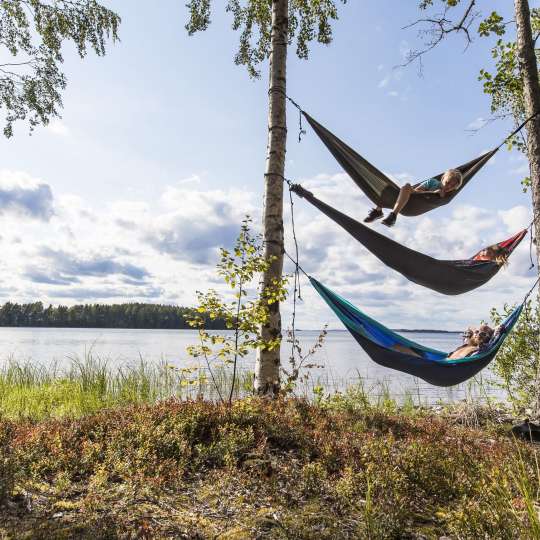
[(527, 431)]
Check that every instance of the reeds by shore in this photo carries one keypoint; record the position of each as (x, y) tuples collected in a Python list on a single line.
[(85, 385)]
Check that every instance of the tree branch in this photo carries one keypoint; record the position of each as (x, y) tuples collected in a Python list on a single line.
[(438, 27)]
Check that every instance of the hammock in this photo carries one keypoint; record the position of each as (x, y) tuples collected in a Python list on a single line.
[(378, 187), (444, 276), (432, 366)]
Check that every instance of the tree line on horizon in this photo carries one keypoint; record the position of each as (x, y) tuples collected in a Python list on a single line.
[(131, 315)]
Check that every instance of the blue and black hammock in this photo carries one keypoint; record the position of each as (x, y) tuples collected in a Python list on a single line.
[(450, 277), (433, 366)]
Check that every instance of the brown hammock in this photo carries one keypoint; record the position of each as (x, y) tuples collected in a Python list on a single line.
[(378, 187)]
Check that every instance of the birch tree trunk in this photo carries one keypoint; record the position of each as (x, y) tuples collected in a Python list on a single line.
[(268, 362), (531, 91)]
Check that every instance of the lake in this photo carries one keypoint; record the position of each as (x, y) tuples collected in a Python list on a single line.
[(343, 360)]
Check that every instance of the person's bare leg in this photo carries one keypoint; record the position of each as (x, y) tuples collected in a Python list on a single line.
[(403, 198)]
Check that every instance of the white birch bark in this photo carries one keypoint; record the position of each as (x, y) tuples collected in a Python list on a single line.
[(268, 362), (531, 90)]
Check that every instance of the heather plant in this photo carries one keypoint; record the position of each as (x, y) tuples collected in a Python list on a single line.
[(290, 469), (517, 363), (245, 314), (6, 462)]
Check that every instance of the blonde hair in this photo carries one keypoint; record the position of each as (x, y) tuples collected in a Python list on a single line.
[(498, 254), (453, 174)]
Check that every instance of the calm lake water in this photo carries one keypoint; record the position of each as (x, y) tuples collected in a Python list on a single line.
[(343, 360)]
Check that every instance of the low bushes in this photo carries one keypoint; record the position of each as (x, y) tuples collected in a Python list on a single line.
[(284, 469)]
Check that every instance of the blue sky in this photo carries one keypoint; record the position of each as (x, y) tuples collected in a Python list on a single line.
[(161, 150)]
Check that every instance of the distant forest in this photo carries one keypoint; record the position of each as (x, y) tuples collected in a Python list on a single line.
[(133, 315)]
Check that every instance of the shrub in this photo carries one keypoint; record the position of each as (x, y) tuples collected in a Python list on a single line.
[(518, 360)]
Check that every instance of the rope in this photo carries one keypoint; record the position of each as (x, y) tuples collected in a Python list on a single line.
[(531, 289), (294, 103), (286, 180), (296, 263), (297, 293), (301, 130), (519, 128)]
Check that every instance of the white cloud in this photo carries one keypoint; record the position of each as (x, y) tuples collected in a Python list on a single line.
[(404, 50), (58, 127), (391, 79), (384, 82), (522, 165), (516, 218), (196, 223), (24, 195), (132, 250), (193, 179)]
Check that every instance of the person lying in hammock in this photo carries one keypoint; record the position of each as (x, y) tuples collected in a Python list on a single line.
[(493, 253), (450, 181), (475, 341)]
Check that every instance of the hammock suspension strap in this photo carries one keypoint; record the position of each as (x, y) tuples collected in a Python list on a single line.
[(297, 293), (516, 131), (519, 128), (531, 289), (301, 130)]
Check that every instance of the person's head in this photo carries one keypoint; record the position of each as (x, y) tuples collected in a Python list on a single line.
[(469, 337), (477, 336), (451, 180), (496, 254), (483, 334)]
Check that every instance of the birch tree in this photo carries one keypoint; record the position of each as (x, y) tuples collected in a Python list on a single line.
[(267, 29), (32, 33), (512, 84)]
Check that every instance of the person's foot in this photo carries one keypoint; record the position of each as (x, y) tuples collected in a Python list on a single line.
[(374, 213), (389, 220)]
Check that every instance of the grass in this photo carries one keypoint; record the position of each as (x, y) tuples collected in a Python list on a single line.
[(90, 384), (87, 385), (288, 469)]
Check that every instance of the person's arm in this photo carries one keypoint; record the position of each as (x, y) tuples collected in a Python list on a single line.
[(459, 352)]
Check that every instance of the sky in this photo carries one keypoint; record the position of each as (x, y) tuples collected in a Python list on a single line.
[(160, 153)]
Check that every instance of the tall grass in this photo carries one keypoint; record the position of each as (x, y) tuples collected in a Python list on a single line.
[(89, 384)]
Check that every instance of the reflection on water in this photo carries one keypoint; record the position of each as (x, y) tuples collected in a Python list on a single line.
[(344, 361)]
